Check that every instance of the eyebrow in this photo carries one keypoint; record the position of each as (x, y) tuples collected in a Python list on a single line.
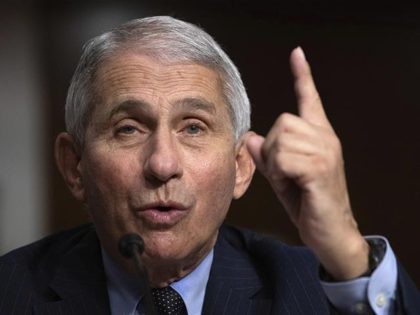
[(129, 106), (188, 104), (196, 103)]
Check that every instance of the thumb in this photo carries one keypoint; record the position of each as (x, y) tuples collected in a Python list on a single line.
[(254, 143)]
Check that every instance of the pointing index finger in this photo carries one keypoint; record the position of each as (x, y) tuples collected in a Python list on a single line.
[(309, 103)]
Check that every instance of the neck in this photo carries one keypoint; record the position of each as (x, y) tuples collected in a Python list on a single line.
[(162, 272), (165, 274)]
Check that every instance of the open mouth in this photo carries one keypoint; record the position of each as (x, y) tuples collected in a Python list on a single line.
[(163, 208)]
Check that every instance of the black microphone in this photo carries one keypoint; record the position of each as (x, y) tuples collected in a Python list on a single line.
[(132, 246)]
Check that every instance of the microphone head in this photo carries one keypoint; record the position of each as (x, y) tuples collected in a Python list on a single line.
[(129, 244)]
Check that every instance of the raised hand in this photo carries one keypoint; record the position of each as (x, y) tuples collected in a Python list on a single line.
[(302, 159)]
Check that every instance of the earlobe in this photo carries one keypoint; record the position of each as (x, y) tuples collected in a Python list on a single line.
[(67, 158), (245, 168)]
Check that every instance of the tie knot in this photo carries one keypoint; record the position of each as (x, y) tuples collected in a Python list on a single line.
[(168, 301)]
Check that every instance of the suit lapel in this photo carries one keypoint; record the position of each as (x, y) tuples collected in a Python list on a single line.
[(256, 275), (293, 273), (234, 287), (80, 282)]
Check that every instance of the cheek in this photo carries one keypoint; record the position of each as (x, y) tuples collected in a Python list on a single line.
[(108, 177), (215, 181)]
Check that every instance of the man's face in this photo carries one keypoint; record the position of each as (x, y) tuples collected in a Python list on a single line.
[(159, 157)]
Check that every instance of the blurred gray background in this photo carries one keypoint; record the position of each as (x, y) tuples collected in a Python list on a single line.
[(365, 59)]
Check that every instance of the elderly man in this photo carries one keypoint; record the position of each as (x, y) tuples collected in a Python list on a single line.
[(158, 144)]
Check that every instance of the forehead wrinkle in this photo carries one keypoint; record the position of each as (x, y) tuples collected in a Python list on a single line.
[(120, 83), (117, 71), (124, 75), (112, 81), (118, 77), (188, 81)]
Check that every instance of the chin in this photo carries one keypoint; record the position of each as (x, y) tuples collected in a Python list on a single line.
[(163, 249), (165, 258)]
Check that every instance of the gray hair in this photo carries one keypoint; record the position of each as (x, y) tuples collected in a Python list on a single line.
[(166, 39)]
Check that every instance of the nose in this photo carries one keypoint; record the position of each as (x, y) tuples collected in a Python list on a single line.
[(162, 162)]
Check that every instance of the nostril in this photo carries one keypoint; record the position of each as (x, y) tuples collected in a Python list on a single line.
[(162, 161)]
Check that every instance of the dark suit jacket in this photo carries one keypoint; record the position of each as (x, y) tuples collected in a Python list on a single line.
[(63, 274)]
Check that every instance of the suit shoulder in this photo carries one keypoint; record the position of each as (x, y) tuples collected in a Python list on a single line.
[(25, 273), (270, 252), (45, 249)]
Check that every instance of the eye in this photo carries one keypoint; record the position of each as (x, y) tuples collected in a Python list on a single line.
[(127, 129), (193, 129)]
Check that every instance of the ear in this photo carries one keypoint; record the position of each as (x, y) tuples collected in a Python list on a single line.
[(245, 168), (67, 158)]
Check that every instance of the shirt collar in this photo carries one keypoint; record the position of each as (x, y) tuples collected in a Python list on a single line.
[(192, 287), (124, 291)]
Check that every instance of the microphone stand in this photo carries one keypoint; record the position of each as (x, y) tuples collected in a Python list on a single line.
[(132, 246)]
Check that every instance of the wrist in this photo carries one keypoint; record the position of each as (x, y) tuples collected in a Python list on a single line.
[(377, 248), (350, 260)]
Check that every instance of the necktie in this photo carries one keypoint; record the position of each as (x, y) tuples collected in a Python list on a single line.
[(168, 302)]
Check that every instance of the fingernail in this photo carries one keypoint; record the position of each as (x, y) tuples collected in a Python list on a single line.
[(300, 52)]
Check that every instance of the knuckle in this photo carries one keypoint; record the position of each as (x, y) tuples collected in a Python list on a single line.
[(280, 142), (277, 164), (284, 120)]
